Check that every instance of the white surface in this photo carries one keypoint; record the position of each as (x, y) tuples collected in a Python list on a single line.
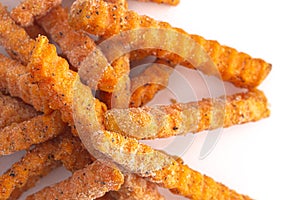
[(259, 159)]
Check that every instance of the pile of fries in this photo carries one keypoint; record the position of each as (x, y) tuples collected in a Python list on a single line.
[(48, 110)]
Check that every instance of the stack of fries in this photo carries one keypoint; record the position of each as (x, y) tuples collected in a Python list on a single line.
[(47, 109)]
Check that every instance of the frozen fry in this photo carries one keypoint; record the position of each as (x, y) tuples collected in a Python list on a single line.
[(170, 2), (13, 110), (20, 136), (17, 81), (169, 120), (148, 83), (236, 67), (23, 175), (88, 183), (27, 10), (14, 38)]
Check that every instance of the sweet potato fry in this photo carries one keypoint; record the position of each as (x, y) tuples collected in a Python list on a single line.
[(170, 2), (27, 10), (15, 80), (89, 183), (175, 119), (13, 110), (23, 175), (148, 83), (135, 157), (20, 136), (236, 67), (14, 38), (135, 188)]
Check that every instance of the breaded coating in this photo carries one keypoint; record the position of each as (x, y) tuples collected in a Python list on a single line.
[(145, 85), (23, 175), (133, 157), (193, 184), (27, 10), (13, 110), (236, 67), (170, 2), (18, 82), (136, 188), (181, 118), (20, 136), (88, 183), (14, 38), (76, 46)]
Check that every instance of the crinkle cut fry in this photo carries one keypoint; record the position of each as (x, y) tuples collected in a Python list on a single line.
[(170, 2), (17, 81), (20, 136), (76, 45), (236, 67), (13, 110), (23, 175), (27, 10), (14, 38), (182, 118), (110, 143), (88, 183), (145, 85)]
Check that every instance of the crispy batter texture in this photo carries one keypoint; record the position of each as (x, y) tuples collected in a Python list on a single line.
[(134, 156), (236, 67), (135, 188), (24, 174), (14, 38), (88, 183), (76, 45), (20, 136), (145, 85), (181, 118), (27, 10), (17, 81), (170, 2), (13, 110)]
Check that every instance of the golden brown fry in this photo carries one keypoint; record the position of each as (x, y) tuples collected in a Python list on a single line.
[(180, 118), (20, 136), (23, 175), (236, 67), (14, 38), (88, 183), (13, 110), (170, 2), (27, 10), (148, 83), (135, 157), (15, 80), (135, 188)]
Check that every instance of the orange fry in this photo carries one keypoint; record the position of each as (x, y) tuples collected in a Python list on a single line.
[(88, 183), (14, 38), (13, 110), (20, 136), (136, 188), (170, 2), (169, 120), (148, 83), (27, 10), (135, 157), (24, 174), (236, 67), (15, 80)]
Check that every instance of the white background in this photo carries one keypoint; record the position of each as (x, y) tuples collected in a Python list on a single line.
[(258, 159)]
